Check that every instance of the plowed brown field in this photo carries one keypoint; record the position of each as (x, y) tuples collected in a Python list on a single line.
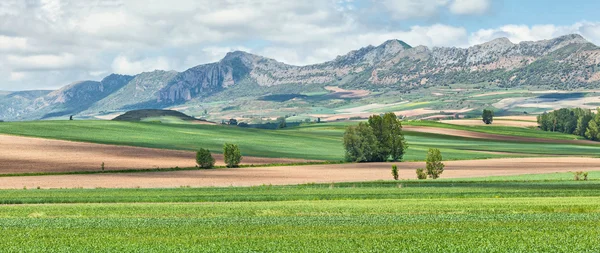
[(26, 155), (301, 174)]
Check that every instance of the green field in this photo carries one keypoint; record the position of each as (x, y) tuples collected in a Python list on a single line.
[(433, 216), (315, 141)]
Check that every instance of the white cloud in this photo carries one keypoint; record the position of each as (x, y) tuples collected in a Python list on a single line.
[(519, 33), (16, 76), (470, 7), (124, 65), (407, 9), (12, 43), (42, 62)]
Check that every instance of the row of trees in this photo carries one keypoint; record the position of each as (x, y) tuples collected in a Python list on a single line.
[(231, 155), (380, 139), (578, 121)]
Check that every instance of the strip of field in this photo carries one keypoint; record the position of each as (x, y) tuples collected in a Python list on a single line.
[(497, 122), (488, 136), (35, 155), (286, 175), (430, 216)]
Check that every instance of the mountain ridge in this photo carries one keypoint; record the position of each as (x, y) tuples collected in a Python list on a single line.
[(564, 62)]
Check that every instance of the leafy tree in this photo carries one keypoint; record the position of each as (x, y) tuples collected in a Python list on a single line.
[(243, 124), (592, 131), (233, 122), (232, 155), (395, 172), (204, 159), (282, 123), (434, 167), (360, 143), (397, 144), (384, 136), (487, 116)]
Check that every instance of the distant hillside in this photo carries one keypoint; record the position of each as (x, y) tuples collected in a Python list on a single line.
[(157, 115), (564, 63)]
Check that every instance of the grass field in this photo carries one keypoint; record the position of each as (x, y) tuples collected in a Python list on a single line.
[(442, 216), (315, 142)]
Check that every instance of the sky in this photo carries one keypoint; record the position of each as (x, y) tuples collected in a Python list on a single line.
[(47, 44)]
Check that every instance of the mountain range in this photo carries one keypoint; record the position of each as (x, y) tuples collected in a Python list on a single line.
[(566, 62)]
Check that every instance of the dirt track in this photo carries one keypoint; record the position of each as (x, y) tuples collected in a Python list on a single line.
[(301, 174), (477, 135), (26, 155)]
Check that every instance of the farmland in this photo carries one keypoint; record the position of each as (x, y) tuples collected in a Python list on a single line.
[(312, 142), (451, 215), (495, 195)]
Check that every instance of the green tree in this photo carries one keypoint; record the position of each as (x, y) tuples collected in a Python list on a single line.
[(360, 143), (593, 131), (434, 166), (395, 172), (232, 155), (396, 143), (282, 123), (487, 116), (377, 141), (204, 159)]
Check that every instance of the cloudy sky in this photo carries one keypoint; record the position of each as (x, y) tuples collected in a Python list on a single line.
[(46, 44)]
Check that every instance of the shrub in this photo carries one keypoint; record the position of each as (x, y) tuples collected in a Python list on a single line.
[(102, 166), (204, 159), (421, 174), (577, 175), (580, 175), (232, 155), (435, 167), (395, 172)]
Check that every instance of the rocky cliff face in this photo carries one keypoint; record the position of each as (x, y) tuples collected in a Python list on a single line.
[(566, 62)]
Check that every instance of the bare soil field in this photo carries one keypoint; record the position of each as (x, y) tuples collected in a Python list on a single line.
[(27, 155), (478, 135), (342, 93), (497, 122), (302, 174)]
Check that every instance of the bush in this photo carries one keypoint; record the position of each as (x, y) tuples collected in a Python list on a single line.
[(395, 172), (435, 167), (421, 174), (580, 175), (232, 155), (204, 159)]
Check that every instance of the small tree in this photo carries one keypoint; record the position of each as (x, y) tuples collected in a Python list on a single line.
[(232, 155), (233, 122), (435, 167), (421, 174), (282, 123), (395, 172), (204, 159), (487, 116)]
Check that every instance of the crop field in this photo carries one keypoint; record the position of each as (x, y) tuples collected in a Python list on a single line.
[(312, 142), (407, 216)]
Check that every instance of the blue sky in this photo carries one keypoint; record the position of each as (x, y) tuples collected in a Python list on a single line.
[(47, 44)]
